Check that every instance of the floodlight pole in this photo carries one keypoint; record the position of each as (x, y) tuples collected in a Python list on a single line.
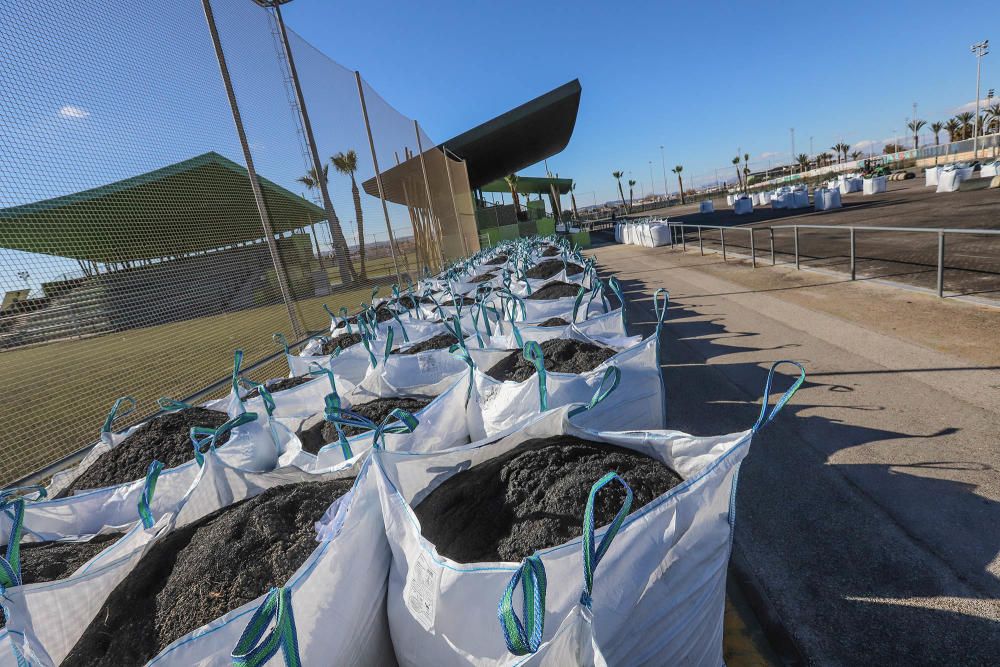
[(378, 178), (258, 195), (343, 259), (663, 162), (981, 49)]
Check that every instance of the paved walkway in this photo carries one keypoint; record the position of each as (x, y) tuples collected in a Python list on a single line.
[(868, 524)]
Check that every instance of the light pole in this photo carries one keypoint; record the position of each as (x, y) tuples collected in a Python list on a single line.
[(791, 164), (981, 49), (663, 161)]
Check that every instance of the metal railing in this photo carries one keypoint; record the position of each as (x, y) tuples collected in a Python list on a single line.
[(852, 230)]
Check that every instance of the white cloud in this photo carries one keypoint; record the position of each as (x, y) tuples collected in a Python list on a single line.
[(866, 144), (971, 106), (767, 155), (73, 111)]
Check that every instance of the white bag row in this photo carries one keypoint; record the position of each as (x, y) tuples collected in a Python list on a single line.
[(651, 234)]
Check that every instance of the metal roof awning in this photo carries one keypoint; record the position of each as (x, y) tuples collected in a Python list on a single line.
[(519, 138), (199, 204), (531, 185)]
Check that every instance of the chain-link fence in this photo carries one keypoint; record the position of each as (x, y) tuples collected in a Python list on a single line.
[(179, 180)]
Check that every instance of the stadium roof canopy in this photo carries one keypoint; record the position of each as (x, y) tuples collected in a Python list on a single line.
[(531, 185), (199, 204), (516, 139)]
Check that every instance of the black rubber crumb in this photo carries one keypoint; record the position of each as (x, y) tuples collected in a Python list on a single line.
[(465, 301), (202, 571), (382, 314), (438, 342), (498, 260), (562, 355), (280, 384), (165, 438), (486, 277), (556, 289), (551, 251), (324, 432), (551, 267), (533, 497), (343, 341), (553, 322)]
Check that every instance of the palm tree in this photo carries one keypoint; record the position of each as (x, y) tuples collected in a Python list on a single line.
[(993, 113), (739, 178), (511, 181), (965, 121), (618, 177), (680, 183), (954, 129), (631, 184), (915, 126), (936, 128), (803, 161), (312, 181), (746, 172), (857, 155), (347, 164)]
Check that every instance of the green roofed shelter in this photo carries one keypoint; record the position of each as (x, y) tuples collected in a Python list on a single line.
[(200, 204), (534, 185)]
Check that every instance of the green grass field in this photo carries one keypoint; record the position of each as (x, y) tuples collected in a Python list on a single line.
[(58, 394)]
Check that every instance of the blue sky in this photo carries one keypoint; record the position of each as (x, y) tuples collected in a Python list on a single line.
[(87, 98), (702, 79)]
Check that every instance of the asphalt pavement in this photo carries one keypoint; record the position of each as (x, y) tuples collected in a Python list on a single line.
[(868, 511)]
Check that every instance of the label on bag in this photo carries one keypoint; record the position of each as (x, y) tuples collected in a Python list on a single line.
[(427, 362), (421, 590)]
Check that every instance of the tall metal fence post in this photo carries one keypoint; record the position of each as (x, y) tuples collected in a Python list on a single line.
[(684, 241), (378, 178), (770, 234), (341, 256), (853, 257), (940, 266), (796, 230), (430, 206), (258, 195), (753, 249), (701, 244), (722, 235)]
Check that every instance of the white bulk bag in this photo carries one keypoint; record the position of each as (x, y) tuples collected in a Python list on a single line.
[(341, 586), (743, 206), (443, 425), (850, 184), (706, 206), (250, 444), (729, 200), (659, 233), (656, 597), (800, 198), (45, 620), (931, 176), (949, 180), (496, 406), (989, 170), (875, 185)]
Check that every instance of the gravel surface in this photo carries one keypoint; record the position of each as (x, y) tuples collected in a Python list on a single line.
[(533, 497), (562, 355), (165, 438), (553, 322), (202, 571), (497, 261)]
